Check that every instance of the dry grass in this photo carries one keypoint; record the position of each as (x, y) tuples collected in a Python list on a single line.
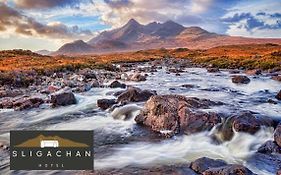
[(264, 56)]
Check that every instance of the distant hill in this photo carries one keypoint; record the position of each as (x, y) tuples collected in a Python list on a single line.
[(75, 47), (44, 52), (135, 36)]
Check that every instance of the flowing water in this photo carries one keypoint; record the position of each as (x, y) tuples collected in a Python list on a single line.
[(150, 152)]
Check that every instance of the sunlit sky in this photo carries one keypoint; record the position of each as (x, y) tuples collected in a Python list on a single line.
[(47, 24)]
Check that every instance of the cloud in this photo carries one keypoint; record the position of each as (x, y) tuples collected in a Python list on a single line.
[(13, 19), (237, 17), (42, 4), (250, 21), (200, 6), (255, 19), (118, 12)]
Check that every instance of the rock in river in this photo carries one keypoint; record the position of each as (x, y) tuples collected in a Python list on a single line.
[(202, 164), (242, 122), (240, 79), (133, 94), (229, 170), (21, 103), (213, 70), (277, 135), (269, 147), (173, 114), (63, 99), (277, 78), (27, 103), (278, 96), (117, 84), (253, 72), (137, 77), (106, 103)]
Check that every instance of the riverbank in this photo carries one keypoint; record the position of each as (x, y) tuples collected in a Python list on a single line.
[(155, 116)]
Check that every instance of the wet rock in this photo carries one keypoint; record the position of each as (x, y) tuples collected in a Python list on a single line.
[(195, 102), (116, 94), (188, 86), (175, 70), (213, 70), (229, 170), (172, 113), (277, 135), (277, 78), (133, 94), (138, 77), (199, 121), (63, 99), (88, 73), (278, 96), (243, 122), (50, 89), (202, 164), (240, 79), (254, 72), (27, 103), (247, 122), (106, 103), (269, 147), (21, 103), (95, 84), (82, 88), (117, 84), (272, 101)]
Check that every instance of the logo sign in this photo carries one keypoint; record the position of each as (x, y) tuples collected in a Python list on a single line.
[(51, 150)]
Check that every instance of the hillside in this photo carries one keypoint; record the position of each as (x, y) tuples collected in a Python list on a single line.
[(134, 36)]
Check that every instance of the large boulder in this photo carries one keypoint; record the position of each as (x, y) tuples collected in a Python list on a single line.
[(133, 94), (277, 135), (278, 96), (229, 170), (240, 79), (173, 114), (106, 103), (63, 99), (202, 164), (117, 84)]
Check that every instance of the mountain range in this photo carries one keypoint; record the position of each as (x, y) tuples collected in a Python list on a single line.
[(135, 36)]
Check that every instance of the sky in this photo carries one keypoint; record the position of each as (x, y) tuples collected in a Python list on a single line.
[(48, 24)]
